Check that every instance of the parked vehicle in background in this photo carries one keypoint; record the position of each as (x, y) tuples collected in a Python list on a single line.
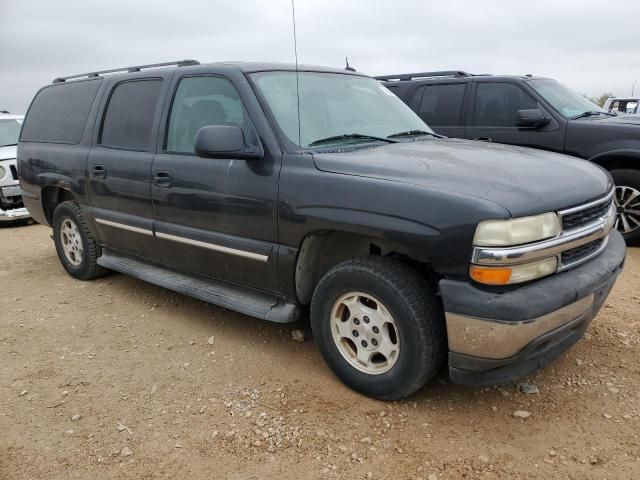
[(622, 106), (531, 112), (11, 206), (266, 188)]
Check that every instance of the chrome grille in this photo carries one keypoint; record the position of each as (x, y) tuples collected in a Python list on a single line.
[(583, 251), (583, 217)]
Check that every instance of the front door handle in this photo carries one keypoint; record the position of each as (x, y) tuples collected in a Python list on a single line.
[(162, 178), (99, 171), (484, 139)]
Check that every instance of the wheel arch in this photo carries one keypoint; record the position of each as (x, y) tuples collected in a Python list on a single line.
[(52, 196), (618, 159), (320, 250)]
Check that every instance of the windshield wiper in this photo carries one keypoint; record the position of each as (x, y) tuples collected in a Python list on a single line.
[(411, 133), (9, 145), (593, 113), (348, 136)]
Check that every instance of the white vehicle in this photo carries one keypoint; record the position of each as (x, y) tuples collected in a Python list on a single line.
[(11, 206), (623, 106)]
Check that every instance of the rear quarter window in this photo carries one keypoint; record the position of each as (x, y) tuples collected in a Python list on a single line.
[(59, 113)]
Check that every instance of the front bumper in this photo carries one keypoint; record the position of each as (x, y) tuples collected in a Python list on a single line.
[(11, 215), (500, 337), (11, 195)]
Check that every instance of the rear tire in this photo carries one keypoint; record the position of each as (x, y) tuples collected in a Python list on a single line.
[(77, 248), (409, 346), (627, 185)]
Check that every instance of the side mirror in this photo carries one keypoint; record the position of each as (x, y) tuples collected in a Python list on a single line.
[(532, 118), (225, 141)]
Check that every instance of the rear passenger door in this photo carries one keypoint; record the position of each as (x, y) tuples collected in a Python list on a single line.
[(494, 117), (214, 217), (119, 166), (441, 106)]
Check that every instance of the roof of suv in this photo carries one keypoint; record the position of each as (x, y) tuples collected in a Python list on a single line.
[(246, 67), (445, 75)]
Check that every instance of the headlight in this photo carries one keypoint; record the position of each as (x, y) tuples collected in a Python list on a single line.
[(3, 172), (507, 275), (517, 231)]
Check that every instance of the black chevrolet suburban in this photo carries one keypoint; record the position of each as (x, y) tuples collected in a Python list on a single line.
[(531, 112), (267, 188)]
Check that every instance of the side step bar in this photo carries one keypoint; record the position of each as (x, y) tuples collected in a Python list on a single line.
[(250, 302)]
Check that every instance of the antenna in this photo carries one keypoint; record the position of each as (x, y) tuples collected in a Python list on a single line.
[(295, 51), (349, 68)]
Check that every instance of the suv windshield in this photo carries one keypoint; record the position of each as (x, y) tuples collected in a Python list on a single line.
[(563, 99), (335, 108), (9, 131)]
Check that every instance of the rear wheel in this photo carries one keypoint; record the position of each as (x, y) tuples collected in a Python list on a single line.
[(627, 198), (379, 326), (77, 249)]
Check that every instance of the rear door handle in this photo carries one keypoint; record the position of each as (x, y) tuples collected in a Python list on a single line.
[(162, 178), (484, 139), (99, 171)]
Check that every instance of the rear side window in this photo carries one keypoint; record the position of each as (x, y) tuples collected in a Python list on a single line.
[(441, 105), (58, 113), (128, 120)]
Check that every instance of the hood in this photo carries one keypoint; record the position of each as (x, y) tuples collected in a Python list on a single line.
[(617, 120), (522, 180), (8, 152)]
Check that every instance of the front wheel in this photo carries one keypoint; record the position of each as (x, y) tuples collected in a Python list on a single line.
[(380, 327), (627, 198)]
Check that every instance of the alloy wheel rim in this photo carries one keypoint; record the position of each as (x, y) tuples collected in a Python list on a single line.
[(628, 209), (365, 333), (71, 242)]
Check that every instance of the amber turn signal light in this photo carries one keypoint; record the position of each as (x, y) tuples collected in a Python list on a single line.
[(490, 275)]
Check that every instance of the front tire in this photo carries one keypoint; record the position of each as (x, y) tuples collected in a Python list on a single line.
[(380, 326), (77, 248), (628, 203)]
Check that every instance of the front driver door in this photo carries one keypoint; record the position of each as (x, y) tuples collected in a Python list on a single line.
[(494, 118), (214, 217)]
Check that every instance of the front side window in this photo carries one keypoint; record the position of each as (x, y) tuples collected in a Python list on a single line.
[(9, 131), (128, 121), (497, 104), (200, 102), (563, 99), (442, 104), (333, 105)]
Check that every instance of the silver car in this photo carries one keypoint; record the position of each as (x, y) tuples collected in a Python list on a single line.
[(623, 106), (11, 206)]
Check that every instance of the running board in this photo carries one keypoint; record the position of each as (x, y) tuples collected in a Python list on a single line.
[(250, 302)]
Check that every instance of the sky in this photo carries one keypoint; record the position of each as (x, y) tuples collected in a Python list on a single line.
[(591, 46)]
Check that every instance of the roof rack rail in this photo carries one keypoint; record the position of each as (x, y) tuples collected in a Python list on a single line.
[(137, 68), (413, 76)]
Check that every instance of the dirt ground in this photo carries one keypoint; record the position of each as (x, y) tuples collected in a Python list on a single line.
[(116, 378)]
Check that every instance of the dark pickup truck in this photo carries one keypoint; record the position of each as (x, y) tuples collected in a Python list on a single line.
[(531, 112), (268, 189)]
